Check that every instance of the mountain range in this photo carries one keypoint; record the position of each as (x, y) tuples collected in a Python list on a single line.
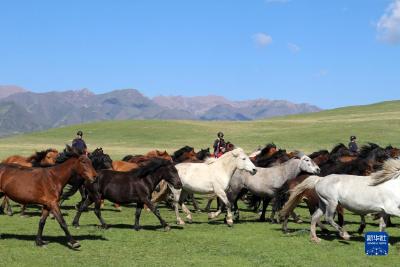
[(25, 111)]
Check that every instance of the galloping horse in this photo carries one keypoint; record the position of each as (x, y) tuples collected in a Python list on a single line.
[(267, 181), (39, 159), (377, 193), (133, 186), (42, 158), (43, 186), (210, 177)]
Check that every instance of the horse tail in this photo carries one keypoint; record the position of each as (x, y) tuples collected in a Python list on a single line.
[(296, 195)]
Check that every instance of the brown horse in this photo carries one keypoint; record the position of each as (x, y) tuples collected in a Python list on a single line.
[(39, 159), (43, 186), (42, 158)]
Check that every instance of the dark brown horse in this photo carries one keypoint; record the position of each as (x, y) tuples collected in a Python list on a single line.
[(128, 187), (43, 186)]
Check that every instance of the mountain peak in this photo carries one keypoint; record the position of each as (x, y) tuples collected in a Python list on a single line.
[(7, 90)]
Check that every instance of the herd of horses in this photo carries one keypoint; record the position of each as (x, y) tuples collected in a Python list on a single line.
[(327, 181)]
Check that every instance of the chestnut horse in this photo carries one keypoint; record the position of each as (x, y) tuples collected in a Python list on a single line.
[(39, 159), (42, 158), (43, 186)]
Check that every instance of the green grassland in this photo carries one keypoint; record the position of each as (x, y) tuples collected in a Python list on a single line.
[(203, 243)]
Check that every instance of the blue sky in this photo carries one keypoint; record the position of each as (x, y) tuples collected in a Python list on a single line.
[(328, 53)]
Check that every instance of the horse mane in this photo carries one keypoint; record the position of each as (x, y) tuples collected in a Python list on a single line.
[(40, 155), (127, 157), (336, 148), (181, 151), (203, 153), (267, 148), (151, 166), (318, 153), (266, 161), (389, 147), (68, 153), (367, 149), (390, 171)]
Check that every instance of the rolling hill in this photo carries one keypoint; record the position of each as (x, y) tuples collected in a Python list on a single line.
[(378, 123), (22, 111)]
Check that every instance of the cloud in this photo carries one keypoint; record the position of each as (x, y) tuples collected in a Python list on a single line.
[(277, 1), (321, 73), (262, 39), (388, 26), (293, 47)]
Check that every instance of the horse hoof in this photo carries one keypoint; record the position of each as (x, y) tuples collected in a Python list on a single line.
[(299, 221), (261, 219), (40, 242), (167, 228), (180, 222), (118, 208), (229, 222), (74, 245), (76, 225), (316, 240), (345, 236), (211, 215)]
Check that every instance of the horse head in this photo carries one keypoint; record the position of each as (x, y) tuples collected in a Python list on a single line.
[(307, 164), (243, 162)]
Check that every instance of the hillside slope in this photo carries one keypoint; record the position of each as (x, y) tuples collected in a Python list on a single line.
[(378, 123)]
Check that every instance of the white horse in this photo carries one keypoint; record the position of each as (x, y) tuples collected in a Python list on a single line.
[(210, 177), (377, 193)]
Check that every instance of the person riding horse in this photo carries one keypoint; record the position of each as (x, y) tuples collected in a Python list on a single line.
[(79, 144), (219, 145), (353, 148)]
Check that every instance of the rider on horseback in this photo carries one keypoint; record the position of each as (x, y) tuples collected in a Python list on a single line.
[(219, 145), (353, 148), (79, 144)]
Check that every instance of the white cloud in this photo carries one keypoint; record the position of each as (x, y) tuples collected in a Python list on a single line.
[(388, 26), (262, 39), (321, 73), (277, 1), (293, 47)]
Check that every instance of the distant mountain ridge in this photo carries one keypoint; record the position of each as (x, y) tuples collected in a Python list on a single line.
[(24, 111)]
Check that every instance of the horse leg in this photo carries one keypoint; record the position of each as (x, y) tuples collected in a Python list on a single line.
[(265, 201), (340, 213), (55, 209), (314, 220), (97, 211), (88, 201), (222, 196), (362, 225), (182, 199), (208, 206), (295, 217), (157, 213), (330, 212), (139, 207), (382, 222), (177, 195), (6, 205), (195, 203), (45, 213)]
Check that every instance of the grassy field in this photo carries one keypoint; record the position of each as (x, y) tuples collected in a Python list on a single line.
[(248, 243)]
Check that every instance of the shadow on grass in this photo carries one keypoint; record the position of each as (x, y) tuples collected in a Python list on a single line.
[(62, 240), (142, 227)]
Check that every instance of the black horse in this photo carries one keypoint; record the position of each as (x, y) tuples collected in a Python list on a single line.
[(128, 187), (100, 161), (203, 154)]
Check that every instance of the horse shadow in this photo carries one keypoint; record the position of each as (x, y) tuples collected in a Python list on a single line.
[(52, 239), (142, 227)]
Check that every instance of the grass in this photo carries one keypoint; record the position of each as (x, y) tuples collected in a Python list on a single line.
[(248, 243)]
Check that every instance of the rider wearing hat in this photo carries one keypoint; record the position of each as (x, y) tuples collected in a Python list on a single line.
[(353, 148), (78, 143), (219, 145)]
